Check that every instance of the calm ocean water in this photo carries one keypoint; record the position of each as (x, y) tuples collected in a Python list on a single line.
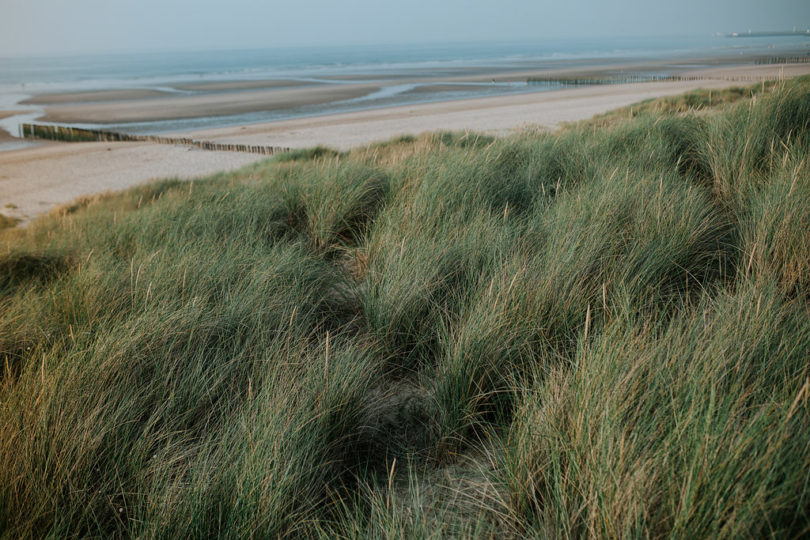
[(21, 78)]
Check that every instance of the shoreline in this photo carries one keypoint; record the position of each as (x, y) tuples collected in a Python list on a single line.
[(35, 180), (497, 115), (195, 105)]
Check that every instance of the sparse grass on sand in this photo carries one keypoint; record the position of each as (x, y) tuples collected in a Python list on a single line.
[(604, 332), (7, 221)]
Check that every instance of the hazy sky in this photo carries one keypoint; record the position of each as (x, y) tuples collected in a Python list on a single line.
[(71, 26)]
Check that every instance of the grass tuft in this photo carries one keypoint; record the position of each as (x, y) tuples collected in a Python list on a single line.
[(7, 222)]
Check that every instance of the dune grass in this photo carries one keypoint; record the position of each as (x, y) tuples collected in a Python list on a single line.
[(603, 332)]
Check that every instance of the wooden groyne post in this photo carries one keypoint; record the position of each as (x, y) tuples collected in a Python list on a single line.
[(73, 134)]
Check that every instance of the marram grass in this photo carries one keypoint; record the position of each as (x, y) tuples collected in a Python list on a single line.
[(604, 332)]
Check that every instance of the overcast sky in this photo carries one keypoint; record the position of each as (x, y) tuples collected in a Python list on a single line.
[(78, 26)]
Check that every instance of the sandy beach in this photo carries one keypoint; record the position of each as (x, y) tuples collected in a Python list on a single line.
[(227, 98), (495, 115), (34, 180)]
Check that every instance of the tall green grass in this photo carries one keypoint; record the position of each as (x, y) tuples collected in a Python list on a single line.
[(695, 426), (600, 332)]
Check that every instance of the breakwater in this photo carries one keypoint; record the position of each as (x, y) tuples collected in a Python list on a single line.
[(641, 77), (783, 60), (594, 81), (73, 134), (626, 78)]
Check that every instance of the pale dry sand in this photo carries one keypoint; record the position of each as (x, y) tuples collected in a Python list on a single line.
[(37, 179)]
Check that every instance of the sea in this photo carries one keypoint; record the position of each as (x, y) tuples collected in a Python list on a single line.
[(21, 78)]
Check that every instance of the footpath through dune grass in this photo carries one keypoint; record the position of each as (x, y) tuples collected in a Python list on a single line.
[(603, 332)]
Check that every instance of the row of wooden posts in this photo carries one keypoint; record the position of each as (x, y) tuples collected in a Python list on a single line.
[(635, 79), (562, 81), (72, 134), (617, 79), (783, 60)]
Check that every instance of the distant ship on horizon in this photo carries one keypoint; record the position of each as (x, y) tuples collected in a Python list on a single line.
[(751, 33)]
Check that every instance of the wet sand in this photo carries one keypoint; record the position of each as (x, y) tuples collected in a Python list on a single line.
[(175, 90), (214, 86), (92, 96), (176, 106), (5, 136)]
